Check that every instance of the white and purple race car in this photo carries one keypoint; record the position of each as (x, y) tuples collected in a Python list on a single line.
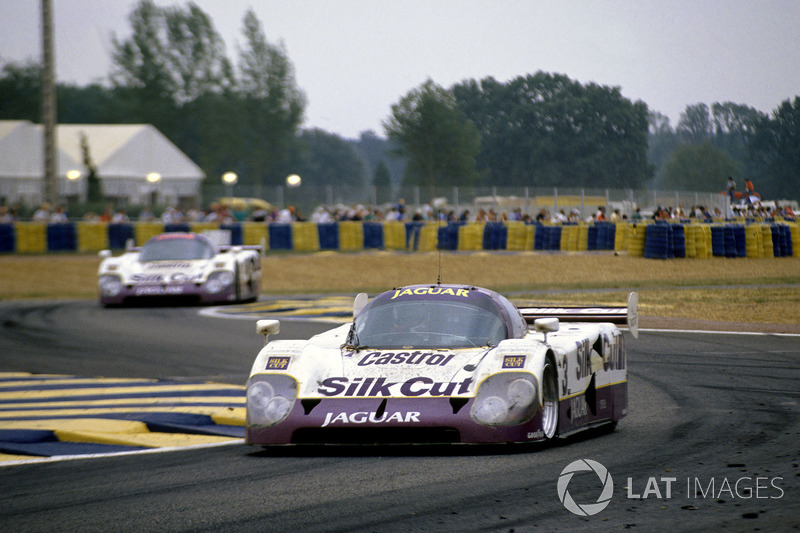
[(180, 267), (442, 364)]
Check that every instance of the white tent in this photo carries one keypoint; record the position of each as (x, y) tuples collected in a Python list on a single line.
[(122, 155)]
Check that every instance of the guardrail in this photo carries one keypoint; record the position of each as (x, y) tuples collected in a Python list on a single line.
[(649, 239)]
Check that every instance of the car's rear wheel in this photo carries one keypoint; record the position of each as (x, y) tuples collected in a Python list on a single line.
[(549, 400)]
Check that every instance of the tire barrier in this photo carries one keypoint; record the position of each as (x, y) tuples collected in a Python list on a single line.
[(448, 236), (678, 241), (636, 239), (280, 237), (652, 240), (373, 235), (8, 238), (658, 242)]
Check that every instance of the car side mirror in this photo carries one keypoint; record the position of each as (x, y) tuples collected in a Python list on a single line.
[(359, 303)]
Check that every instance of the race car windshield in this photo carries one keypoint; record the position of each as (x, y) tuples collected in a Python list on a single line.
[(429, 324), (176, 249)]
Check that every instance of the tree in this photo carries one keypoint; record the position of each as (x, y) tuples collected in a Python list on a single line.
[(698, 168), (20, 91), (734, 126), (272, 106), (662, 142), (694, 125), (173, 54), (547, 130), (94, 191), (441, 144), (382, 181), (377, 151), (329, 159), (775, 151)]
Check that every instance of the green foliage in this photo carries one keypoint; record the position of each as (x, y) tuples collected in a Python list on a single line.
[(547, 130), (94, 192), (775, 152), (375, 151), (440, 143), (698, 168), (694, 126), (663, 142), (382, 181), (270, 106), (20, 92), (174, 54), (329, 160)]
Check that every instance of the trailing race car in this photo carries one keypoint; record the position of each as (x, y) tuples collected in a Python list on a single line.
[(442, 364), (182, 266)]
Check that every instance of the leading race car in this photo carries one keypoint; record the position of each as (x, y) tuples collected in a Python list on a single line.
[(181, 266), (442, 364)]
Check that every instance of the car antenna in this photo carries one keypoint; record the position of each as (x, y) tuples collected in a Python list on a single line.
[(439, 247)]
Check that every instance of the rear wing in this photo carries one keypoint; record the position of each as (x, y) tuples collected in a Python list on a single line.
[(239, 247), (628, 316)]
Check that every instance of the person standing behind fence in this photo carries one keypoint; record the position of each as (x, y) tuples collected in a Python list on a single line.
[(731, 189)]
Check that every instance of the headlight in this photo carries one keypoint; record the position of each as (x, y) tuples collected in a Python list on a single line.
[(507, 398), (219, 281), (110, 285), (270, 399)]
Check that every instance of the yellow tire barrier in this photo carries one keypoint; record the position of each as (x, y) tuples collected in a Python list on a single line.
[(305, 236), (31, 237), (351, 235), (92, 236), (255, 233), (470, 237)]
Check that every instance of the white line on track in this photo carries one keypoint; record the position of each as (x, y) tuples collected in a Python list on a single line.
[(58, 458)]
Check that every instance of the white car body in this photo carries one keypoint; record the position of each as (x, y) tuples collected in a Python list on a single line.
[(180, 266), (536, 380)]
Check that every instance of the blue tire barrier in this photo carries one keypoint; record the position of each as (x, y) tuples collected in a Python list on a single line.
[(730, 241), (781, 240), (177, 228), (555, 238), (373, 235), (548, 237), (658, 241), (328, 236), (118, 235), (62, 237), (787, 239), (777, 239), (280, 237), (413, 231), (448, 236), (8, 238), (606, 235), (718, 241), (591, 239), (740, 235), (237, 236), (678, 240), (539, 237), (495, 236)]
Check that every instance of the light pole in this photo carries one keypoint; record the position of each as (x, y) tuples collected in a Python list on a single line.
[(230, 179)]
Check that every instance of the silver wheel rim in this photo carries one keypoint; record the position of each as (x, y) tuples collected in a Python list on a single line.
[(549, 403)]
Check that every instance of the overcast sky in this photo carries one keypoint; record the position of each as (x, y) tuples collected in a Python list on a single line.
[(355, 58)]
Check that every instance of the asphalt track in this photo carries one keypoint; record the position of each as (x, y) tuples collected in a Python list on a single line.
[(712, 442)]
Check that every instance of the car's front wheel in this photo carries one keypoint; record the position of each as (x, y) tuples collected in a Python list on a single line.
[(549, 400)]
